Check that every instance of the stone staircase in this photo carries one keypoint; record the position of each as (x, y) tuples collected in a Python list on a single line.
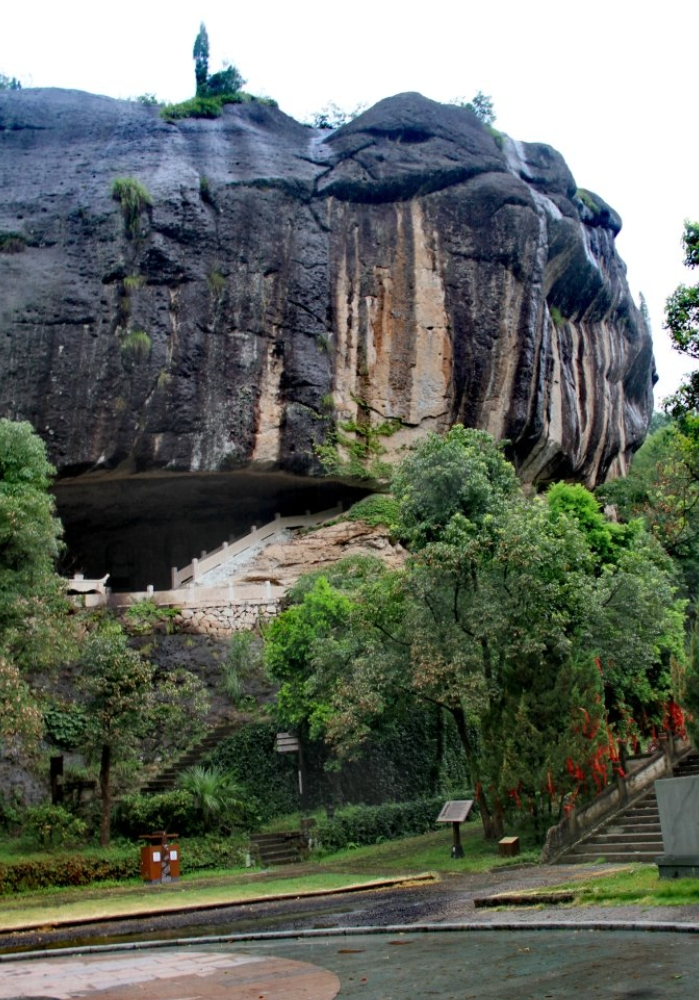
[(632, 835), (282, 848), (165, 780)]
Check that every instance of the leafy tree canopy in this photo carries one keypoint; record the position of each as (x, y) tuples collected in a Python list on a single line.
[(34, 630), (9, 82), (463, 472), (200, 54), (481, 105), (539, 626), (127, 707), (682, 322)]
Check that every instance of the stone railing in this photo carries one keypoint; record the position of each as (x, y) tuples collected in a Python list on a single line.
[(641, 772), (192, 573), (219, 611)]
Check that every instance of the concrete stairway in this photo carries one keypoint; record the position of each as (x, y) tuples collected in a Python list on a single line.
[(634, 834), (283, 848), (166, 779)]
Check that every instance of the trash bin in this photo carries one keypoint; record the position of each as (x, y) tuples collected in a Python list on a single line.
[(151, 862), (160, 860)]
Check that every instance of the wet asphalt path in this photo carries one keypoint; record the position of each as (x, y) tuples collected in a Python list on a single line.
[(447, 902)]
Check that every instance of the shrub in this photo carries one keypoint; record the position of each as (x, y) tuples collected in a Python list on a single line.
[(216, 282), (587, 200), (267, 778), (173, 811), (12, 243), (134, 200), (557, 317), (116, 865), (217, 797), (210, 107), (136, 345), (145, 617), (66, 725), (54, 826), (375, 510), (360, 825)]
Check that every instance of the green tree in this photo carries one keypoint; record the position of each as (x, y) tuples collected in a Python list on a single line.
[(662, 489), (127, 706), (9, 82), (463, 472), (481, 105), (227, 81), (35, 629), (682, 322), (527, 620), (200, 54)]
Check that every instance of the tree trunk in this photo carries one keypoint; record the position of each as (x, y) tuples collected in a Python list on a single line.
[(105, 792), (492, 821)]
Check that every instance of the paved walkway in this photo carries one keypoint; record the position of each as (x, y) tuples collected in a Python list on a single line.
[(443, 948), (168, 974), (393, 965)]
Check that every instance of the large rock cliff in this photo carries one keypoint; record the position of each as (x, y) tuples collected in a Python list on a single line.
[(411, 265)]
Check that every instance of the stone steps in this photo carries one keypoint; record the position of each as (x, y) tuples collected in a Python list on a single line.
[(634, 835), (165, 780), (284, 848)]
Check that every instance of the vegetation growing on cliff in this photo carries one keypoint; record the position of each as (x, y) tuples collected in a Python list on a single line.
[(213, 91), (134, 200)]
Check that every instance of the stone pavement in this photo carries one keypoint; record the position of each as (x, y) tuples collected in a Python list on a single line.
[(167, 974), (395, 964)]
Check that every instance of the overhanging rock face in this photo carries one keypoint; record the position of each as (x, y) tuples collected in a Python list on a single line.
[(277, 279)]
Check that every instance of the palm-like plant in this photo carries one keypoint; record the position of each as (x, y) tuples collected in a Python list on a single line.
[(215, 794)]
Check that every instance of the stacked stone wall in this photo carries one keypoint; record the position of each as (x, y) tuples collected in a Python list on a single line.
[(224, 620)]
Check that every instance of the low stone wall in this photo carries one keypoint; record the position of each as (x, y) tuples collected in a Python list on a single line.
[(224, 620)]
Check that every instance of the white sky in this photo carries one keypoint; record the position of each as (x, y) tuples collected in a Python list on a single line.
[(612, 85)]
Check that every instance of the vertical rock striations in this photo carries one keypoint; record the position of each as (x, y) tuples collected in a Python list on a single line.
[(410, 266)]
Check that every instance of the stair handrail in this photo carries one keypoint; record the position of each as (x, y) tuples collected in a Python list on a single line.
[(581, 822), (212, 560)]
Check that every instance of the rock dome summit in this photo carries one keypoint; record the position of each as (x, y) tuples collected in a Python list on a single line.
[(210, 295)]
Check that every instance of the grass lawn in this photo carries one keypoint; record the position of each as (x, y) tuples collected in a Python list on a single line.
[(638, 884), (403, 858)]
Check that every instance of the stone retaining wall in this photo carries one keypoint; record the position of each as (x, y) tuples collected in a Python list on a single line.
[(224, 620)]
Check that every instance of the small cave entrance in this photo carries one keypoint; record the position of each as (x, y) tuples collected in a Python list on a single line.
[(137, 528)]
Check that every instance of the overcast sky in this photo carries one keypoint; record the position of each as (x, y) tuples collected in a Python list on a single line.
[(612, 84)]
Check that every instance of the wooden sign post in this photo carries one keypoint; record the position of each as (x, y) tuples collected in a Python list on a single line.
[(290, 743), (456, 812)]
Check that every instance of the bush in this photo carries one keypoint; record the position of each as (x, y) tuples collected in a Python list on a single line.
[(137, 344), (65, 870), (134, 200), (216, 796), (210, 107), (145, 617), (267, 779), (66, 725), (175, 812), (378, 509), (116, 865), (12, 243), (54, 826), (363, 825)]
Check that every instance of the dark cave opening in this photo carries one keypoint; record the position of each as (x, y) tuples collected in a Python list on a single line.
[(136, 528)]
